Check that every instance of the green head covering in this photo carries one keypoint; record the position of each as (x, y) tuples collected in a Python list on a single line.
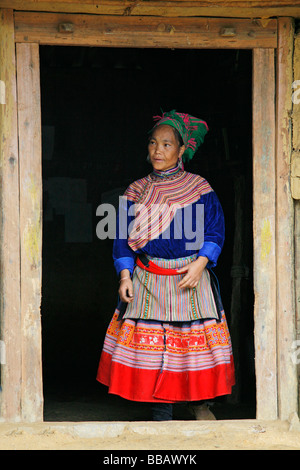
[(191, 129)]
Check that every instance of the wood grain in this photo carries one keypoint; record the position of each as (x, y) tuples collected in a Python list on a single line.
[(287, 374), (264, 228), (9, 226), (151, 32), (172, 8), (29, 118)]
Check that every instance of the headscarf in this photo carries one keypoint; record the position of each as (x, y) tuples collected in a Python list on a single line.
[(191, 129)]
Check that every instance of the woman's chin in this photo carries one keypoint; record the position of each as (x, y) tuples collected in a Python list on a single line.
[(160, 166)]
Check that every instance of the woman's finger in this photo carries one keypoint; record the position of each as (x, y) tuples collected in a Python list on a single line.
[(185, 282), (182, 270)]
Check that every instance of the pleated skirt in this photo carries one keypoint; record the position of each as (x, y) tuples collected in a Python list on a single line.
[(167, 362)]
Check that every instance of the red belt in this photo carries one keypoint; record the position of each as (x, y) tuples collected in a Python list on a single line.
[(153, 268)]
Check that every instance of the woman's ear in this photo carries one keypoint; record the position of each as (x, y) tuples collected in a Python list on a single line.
[(181, 151)]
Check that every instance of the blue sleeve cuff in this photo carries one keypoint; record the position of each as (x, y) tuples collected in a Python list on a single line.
[(211, 251), (124, 263)]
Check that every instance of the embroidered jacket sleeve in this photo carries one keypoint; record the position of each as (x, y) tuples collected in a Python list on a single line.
[(214, 228), (123, 255)]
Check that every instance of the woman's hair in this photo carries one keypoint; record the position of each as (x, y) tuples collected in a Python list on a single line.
[(178, 136)]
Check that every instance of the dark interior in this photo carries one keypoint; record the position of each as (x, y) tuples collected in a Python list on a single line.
[(97, 108)]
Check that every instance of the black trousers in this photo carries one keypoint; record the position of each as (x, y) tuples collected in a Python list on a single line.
[(162, 411)]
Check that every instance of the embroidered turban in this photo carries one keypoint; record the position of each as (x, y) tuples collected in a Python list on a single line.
[(191, 129)]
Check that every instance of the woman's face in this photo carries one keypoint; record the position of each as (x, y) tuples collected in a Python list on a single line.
[(164, 149)]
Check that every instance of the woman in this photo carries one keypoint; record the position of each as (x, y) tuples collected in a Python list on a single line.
[(168, 340)]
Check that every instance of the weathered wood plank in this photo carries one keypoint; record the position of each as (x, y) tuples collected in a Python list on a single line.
[(29, 119), (264, 232), (127, 31), (286, 321), (295, 163), (297, 289), (295, 186), (218, 8), (295, 169), (296, 94), (9, 226)]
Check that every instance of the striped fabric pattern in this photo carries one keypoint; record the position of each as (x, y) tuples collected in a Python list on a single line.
[(166, 196), (190, 346), (158, 297), (149, 360)]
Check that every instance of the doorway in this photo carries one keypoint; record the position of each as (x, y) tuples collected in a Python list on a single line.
[(97, 107)]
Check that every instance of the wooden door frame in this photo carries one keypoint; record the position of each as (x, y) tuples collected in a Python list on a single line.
[(21, 231)]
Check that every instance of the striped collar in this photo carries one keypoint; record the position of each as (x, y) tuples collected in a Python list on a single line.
[(166, 174)]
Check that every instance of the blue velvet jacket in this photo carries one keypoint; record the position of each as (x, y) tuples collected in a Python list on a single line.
[(172, 247)]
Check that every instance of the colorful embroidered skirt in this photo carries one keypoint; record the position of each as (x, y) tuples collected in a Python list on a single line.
[(154, 361)]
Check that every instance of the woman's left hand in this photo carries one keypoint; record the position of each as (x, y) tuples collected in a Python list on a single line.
[(193, 274)]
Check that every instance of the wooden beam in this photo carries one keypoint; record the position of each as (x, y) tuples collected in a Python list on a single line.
[(286, 332), (171, 8), (127, 31), (264, 232), (10, 329), (29, 118)]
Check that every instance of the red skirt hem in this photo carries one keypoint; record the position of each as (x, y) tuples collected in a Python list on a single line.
[(155, 386)]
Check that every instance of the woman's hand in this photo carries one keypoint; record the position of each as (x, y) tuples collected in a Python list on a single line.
[(194, 272), (126, 287)]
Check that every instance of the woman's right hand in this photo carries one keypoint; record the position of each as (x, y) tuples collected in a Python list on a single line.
[(126, 290)]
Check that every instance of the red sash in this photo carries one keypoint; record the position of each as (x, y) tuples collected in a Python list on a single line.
[(153, 268)]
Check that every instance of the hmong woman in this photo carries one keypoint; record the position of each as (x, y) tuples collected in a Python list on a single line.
[(168, 339)]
